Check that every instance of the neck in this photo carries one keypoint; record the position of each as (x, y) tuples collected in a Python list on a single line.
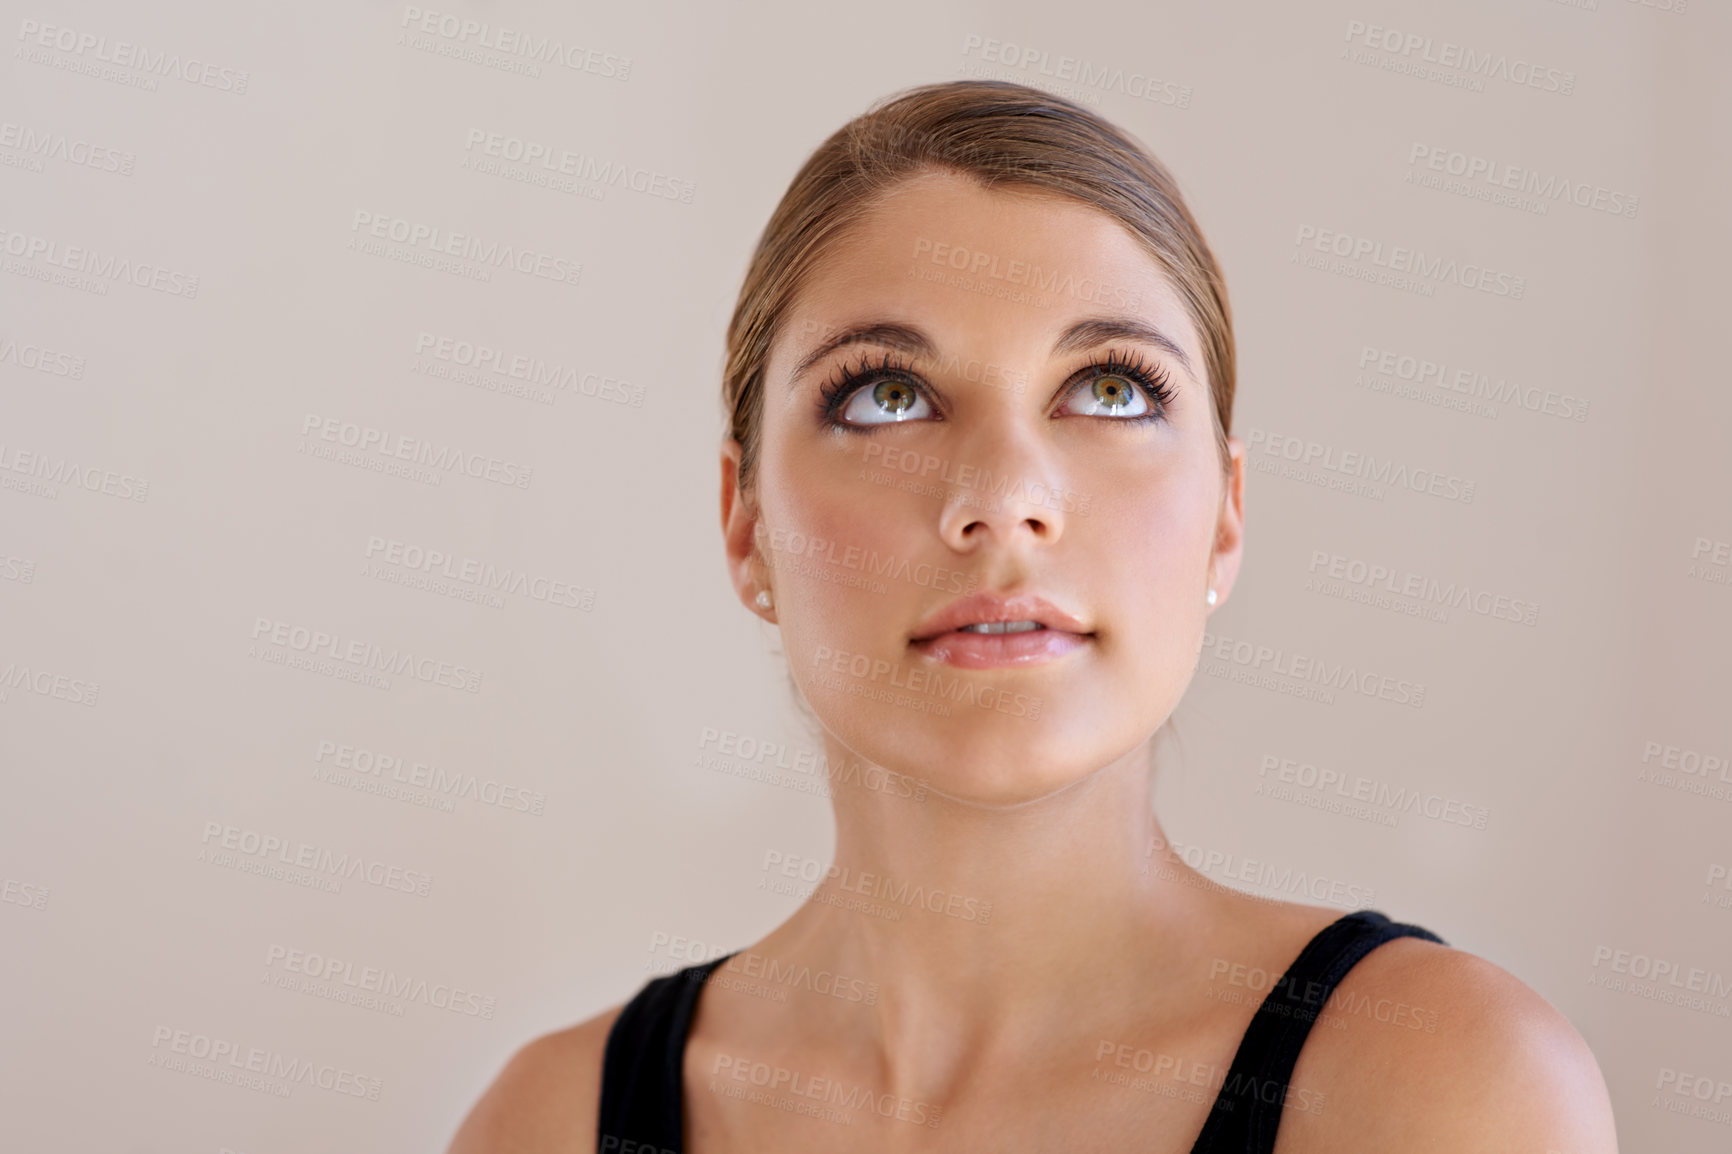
[(989, 930)]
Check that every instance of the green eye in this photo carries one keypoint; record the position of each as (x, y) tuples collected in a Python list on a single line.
[(892, 396), (874, 397), (1112, 391)]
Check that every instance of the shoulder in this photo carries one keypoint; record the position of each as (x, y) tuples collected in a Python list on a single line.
[(1423, 1047), (545, 1100)]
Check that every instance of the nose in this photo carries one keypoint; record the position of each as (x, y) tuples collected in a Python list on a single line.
[(1005, 497)]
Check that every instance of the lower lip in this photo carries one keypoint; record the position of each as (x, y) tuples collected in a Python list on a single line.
[(996, 650)]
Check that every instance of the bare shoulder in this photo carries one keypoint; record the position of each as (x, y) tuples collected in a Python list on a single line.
[(546, 1098), (1423, 1047)]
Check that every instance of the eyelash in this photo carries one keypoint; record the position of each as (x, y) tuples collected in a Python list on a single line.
[(1152, 380)]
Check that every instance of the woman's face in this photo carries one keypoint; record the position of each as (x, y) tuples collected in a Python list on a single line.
[(963, 413)]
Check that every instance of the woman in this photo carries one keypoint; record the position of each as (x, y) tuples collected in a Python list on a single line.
[(983, 356)]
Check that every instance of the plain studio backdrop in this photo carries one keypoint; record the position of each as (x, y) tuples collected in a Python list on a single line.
[(246, 246)]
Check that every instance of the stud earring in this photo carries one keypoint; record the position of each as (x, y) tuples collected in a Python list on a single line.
[(1212, 597), (764, 599)]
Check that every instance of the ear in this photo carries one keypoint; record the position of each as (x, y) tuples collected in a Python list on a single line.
[(1229, 526), (740, 531)]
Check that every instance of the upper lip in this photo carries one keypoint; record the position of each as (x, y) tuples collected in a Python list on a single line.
[(988, 608)]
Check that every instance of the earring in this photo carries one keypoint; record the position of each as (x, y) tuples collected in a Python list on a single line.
[(1212, 597), (764, 599)]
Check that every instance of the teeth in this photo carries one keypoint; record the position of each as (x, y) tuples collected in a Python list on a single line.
[(1002, 627)]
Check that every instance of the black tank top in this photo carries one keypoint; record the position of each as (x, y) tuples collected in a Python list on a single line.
[(643, 1069)]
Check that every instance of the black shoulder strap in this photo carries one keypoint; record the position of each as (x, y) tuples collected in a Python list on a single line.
[(1247, 1110), (642, 1070)]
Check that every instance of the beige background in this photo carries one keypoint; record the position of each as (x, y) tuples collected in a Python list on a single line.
[(117, 933)]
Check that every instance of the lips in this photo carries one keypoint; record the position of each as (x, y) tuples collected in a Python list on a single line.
[(987, 609), (942, 636)]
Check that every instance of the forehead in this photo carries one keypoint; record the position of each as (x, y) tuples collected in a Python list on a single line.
[(1011, 267)]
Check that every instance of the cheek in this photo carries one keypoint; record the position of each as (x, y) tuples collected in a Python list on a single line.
[(847, 561), (1153, 533), (1146, 552)]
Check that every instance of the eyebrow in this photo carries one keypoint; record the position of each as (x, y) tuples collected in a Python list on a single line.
[(903, 338), (1086, 334), (1100, 330)]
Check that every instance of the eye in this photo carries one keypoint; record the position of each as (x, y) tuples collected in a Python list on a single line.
[(886, 401), (1123, 387), (871, 394), (1107, 394), (885, 391)]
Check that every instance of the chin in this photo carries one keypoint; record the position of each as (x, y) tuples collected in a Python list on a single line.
[(995, 760)]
